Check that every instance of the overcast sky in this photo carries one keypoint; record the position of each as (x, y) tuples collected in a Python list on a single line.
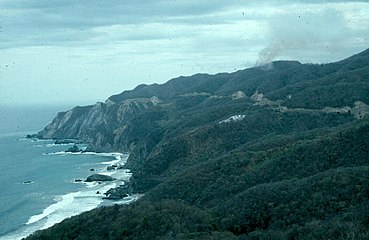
[(83, 51)]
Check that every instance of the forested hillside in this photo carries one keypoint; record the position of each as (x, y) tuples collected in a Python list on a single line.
[(262, 153)]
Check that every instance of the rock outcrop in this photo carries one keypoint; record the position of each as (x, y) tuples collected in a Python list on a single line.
[(100, 125), (119, 192), (74, 149), (238, 95), (99, 178)]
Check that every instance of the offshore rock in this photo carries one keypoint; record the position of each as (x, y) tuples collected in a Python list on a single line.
[(99, 178), (109, 168), (66, 141)]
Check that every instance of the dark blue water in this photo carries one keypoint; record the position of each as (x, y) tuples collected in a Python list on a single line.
[(38, 189)]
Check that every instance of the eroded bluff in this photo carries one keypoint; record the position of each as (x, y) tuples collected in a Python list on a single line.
[(101, 125)]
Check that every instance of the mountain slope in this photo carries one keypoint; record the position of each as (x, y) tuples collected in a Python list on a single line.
[(280, 153), (288, 84)]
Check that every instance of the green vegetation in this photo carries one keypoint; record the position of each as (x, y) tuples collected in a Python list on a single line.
[(275, 174)]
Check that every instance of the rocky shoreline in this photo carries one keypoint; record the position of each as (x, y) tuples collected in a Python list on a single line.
[(121, 191), (124, 188)]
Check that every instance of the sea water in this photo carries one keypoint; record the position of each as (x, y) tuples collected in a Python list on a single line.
[(37, 178)]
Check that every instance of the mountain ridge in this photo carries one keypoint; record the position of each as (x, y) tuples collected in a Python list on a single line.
[(222, 84)]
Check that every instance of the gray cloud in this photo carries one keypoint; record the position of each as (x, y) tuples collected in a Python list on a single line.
[(43, 22), (311, 31), (105, 44), (36, 22)]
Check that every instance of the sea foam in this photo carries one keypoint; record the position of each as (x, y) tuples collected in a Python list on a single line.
[(74, 203), (71, 204), (64, 201)]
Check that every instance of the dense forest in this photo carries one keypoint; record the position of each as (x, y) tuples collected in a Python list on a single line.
[(279, 153)]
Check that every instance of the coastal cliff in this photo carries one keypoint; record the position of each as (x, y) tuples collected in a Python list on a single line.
[(101, 125)]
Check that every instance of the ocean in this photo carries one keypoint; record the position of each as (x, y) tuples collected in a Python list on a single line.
[(37, 178)]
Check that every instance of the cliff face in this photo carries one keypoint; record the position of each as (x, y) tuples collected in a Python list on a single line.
[(101, 125)]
